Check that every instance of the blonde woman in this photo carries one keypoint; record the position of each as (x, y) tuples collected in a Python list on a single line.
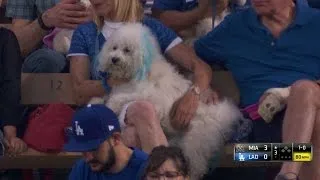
[(86, 43)]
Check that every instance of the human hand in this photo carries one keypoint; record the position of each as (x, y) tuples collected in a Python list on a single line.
[(183, 110), (67, 14), (209, 97), (15, 145)]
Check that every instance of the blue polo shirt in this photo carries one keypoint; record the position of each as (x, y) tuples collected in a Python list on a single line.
[(257, 60), (133, 171)]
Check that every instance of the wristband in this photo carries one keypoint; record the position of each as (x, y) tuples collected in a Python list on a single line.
[(195, 89), (42, 25)]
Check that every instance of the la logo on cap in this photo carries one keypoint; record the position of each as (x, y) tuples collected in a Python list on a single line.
[(110, 127), (79, 130)]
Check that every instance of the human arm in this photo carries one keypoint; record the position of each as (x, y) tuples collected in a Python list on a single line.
[(66, 14), (83, 87), (167, 12), (184, 56), (184, 109)]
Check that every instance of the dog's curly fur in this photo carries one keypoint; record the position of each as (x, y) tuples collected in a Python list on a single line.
[(123, 56), (62, 40)]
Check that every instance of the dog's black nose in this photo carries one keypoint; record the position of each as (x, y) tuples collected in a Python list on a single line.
[(115, 60)]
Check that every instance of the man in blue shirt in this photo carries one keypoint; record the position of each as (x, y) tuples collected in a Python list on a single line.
[(274, 44), (96, 133)]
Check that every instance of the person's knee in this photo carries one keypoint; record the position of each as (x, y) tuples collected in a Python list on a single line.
[(44, 61), (145, 111), (306, 89)]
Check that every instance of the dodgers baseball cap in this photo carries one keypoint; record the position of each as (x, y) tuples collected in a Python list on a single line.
[(91, 126)]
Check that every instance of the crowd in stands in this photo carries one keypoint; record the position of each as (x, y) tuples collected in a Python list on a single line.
[(263, 43)]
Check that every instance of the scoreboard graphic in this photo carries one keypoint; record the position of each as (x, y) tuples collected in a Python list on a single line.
[(298, 152)]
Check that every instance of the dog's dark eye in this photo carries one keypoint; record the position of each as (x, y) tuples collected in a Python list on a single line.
[(126, 50), (114, 47)]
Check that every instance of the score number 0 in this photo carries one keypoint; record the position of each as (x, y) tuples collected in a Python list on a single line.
[(265, 156)]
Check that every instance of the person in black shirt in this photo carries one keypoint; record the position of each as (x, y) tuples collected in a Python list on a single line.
[(10, 80)]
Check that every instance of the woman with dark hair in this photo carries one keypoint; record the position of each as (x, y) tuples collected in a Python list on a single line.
[(167, 163)]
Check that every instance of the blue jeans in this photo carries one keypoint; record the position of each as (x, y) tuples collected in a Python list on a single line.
[(44, 61)]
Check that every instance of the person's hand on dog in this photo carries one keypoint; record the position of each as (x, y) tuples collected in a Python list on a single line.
[(67, 14), (209, 97), (183, 110)]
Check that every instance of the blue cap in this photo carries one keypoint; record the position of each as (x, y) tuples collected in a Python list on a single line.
[(91, 126)]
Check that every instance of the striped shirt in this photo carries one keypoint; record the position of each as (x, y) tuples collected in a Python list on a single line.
[(30, 9)]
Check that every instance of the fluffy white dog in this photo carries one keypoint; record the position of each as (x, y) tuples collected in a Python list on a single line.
[(132, 53), (274, 102), (62, 40)]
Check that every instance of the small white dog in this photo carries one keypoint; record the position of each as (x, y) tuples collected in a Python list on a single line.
[(62, 40), (132, 53), (274, 102)]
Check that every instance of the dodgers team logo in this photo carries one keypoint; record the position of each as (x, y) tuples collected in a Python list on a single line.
[(79, 130), (111, 128)]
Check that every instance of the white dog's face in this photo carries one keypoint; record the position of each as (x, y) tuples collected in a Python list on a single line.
[(122, 55)]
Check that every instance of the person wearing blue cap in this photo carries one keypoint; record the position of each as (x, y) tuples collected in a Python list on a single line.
[(95, 132)]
